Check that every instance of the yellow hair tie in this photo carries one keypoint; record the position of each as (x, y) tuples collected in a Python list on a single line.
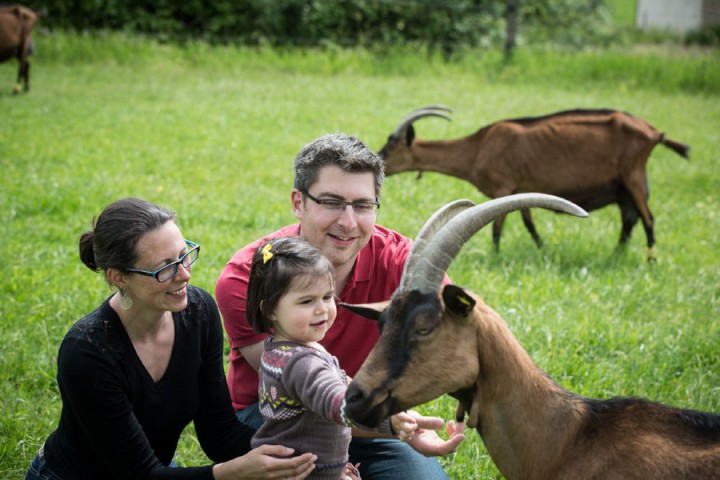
[(267, 254)]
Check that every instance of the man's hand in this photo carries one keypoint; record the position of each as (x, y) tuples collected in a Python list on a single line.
[(425, 440)]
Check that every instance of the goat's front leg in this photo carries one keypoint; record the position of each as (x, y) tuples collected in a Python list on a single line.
[(530, 225), (496, 231), (460, 413)]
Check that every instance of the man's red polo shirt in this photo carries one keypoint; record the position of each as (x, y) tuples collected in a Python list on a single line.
[(376, 275)]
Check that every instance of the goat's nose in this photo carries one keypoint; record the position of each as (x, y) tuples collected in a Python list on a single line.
[(358, 406), (354, 394)]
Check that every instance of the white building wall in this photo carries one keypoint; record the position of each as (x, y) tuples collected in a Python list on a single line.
[(678, 15)]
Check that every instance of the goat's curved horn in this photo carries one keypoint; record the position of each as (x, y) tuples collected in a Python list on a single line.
[(427, 111), (429, 268), (428, 231)]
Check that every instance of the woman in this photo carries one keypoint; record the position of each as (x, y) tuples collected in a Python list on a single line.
[(134, 372)]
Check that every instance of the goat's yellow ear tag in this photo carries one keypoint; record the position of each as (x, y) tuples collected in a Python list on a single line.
[(463, 300), (457, 300)]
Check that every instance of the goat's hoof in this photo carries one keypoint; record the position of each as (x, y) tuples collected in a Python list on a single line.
[(651, 255)]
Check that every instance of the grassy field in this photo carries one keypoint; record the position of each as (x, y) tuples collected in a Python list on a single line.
[(212, 132)]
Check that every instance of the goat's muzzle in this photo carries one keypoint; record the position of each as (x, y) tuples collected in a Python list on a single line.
[(364, 409)]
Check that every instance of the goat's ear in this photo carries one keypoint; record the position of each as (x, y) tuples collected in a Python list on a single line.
[(370, 311), (410, 135), (457, 300)]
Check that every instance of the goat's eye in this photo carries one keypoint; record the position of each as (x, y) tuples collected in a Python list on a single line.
[(425, 325), (424, 331)]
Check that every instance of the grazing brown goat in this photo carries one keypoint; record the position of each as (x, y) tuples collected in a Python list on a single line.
[(591, 157), (443, 339), (16, 23)]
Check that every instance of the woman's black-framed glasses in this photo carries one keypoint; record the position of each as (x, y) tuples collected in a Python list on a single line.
[(163, 274), (337, 206)]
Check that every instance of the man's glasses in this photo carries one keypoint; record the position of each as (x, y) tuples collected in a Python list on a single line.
[(336, 206), (163, 274)]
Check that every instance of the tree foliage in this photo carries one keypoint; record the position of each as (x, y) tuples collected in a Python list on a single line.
[(444, 24)]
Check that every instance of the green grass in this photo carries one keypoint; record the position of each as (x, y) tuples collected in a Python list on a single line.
[(212, 133)]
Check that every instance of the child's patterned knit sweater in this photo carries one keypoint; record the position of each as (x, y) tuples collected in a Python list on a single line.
[(302, 401)]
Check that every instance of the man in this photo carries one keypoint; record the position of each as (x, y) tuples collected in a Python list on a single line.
[(335, 197)]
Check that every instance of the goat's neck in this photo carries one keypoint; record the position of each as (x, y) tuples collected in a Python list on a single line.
[(524, 417), (451, 157)]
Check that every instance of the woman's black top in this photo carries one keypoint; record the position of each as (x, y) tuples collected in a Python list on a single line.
[(117, 422)]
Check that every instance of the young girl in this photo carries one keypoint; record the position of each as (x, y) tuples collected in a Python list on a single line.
[(302, 388)]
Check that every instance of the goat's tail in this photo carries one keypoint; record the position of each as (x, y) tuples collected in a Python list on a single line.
[(679, 148)]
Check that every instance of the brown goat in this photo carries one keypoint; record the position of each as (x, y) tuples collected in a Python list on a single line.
[(451, 342), (591, 157), (16, 23)]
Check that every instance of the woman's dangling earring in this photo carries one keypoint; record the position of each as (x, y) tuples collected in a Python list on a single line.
[(125, 300)]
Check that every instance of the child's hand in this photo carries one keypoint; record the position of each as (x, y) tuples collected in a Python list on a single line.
[(404, 425)]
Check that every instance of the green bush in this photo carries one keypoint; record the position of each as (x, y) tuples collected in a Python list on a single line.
[(706, 36), (442, 25)]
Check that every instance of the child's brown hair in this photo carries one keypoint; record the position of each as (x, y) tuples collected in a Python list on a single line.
[(275, 264)]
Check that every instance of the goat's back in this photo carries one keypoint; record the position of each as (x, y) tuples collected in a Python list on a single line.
[(573, 113), (587, 130), (569, 154), (634, 438)]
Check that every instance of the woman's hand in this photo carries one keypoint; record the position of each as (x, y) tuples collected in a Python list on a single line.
[(266, 462)]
